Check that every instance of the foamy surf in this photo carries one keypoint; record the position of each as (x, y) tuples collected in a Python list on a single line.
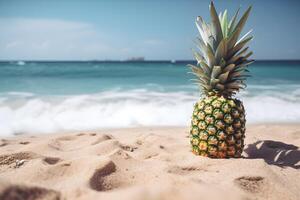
[(29, 113)]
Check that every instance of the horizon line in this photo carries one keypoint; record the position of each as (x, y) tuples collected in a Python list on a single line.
[(108, 60)]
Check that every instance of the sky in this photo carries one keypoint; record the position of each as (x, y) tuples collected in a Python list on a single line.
[(120, 29)]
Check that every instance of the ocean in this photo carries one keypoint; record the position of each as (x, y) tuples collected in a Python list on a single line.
[(45, 97)]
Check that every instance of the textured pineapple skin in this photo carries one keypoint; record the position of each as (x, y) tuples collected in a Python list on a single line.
[(218, 127)]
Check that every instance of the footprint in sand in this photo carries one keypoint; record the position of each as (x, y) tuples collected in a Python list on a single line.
[(76, 142), (109, 176), (252, 184), (100, 181), (56, 171), (18, 192), (101, 138), (66, 138)]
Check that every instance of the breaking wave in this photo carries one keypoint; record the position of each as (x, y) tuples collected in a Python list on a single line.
[(30, 113)]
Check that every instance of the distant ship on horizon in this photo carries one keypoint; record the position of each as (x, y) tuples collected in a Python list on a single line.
[(136, 59)]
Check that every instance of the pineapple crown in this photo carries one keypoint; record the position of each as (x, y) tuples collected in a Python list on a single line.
[(223, 58)]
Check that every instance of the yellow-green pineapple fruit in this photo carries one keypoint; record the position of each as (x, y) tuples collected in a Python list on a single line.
[(218, 120)]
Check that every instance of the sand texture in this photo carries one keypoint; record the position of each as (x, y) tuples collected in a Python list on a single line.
[(148, 163)]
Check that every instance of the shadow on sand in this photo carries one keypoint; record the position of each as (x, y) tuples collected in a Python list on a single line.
[(275, 153)]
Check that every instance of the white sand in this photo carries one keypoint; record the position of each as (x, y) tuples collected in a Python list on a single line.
[(148, 163)]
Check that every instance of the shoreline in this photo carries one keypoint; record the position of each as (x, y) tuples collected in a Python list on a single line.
[(250, 125), (149, 163)]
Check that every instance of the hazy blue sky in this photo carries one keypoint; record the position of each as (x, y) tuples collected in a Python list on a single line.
[(118, 29)]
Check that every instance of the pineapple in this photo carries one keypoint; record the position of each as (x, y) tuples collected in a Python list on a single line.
[(218, 120)]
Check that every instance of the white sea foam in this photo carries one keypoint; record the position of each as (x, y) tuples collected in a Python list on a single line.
[(43, 114)]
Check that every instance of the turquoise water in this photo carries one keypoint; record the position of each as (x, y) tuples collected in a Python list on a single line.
[(65, 78), (52, 96)]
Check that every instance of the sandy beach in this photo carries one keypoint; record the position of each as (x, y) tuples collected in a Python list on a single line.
[(148, 163)]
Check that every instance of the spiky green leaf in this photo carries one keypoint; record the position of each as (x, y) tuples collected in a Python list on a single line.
[(214, 81), (216, 71), (221, 51), (224, 24), (244, 36), (248, 55), (223, 77), (220, 86), (229, 68), (232, 22), (238, 29), (205, 67), (198, 56), (216, 26), (210, 57), (238, 47)]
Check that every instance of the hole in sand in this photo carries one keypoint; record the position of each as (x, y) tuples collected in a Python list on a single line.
[(251, 184), (51, 160), (28, 193), (100, 180), (24, 142)]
